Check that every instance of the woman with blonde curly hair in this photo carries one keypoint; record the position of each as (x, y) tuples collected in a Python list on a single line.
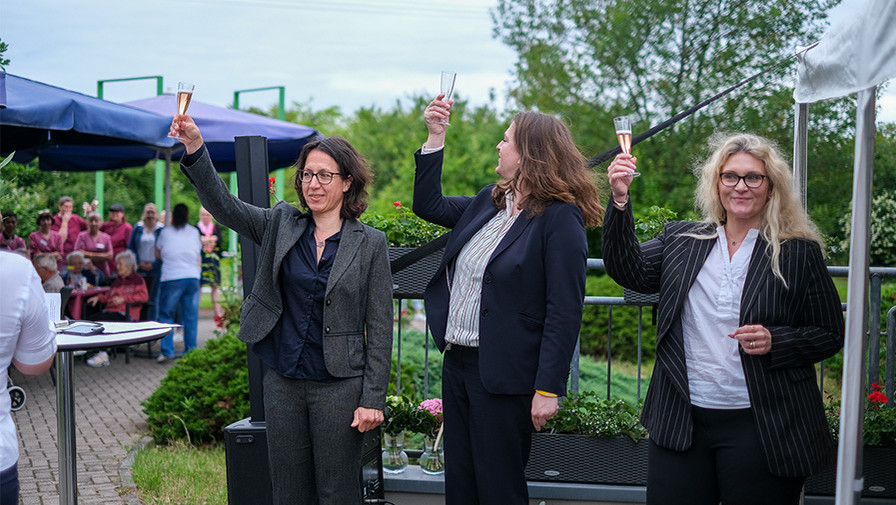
[(746, 310)]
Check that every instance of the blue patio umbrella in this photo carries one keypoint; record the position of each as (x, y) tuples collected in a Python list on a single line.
[(219, 127), (38, 116)]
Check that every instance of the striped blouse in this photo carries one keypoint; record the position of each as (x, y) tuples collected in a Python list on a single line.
[(466, 285)]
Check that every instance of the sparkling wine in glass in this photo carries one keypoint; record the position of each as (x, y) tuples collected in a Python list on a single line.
[(184, 95), (624, 135), (447, 87)]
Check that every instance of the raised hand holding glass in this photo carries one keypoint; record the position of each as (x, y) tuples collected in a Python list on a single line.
[(623, 126)]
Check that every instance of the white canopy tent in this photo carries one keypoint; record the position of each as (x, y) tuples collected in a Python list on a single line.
[(851, 58)]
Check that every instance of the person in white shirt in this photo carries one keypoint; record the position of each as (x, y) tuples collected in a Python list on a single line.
[(180, 249), (26, 341)]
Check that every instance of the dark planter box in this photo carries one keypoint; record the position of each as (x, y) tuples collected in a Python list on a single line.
[(410, 282), (587, 459), (879, 468)]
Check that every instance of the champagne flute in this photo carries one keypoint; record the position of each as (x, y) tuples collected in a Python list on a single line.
[(447, 88), (623, 126), (184, 95)]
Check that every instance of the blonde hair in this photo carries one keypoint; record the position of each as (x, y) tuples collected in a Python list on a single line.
[(783, 218), (551, 168)]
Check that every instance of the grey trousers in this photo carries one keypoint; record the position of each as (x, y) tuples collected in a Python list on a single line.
[(313, 452)]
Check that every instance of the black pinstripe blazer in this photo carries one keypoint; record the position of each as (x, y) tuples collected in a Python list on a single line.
[(805, 320)]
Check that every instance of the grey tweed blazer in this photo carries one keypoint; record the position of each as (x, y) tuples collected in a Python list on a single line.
[(357, 332), (805, 320)]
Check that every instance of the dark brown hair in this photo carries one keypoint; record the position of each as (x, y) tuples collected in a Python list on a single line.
[(551, 168), (350, 163)]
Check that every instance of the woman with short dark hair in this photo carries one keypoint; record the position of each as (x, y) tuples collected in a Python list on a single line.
[(319, 315)]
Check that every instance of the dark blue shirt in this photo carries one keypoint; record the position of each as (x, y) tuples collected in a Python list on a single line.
[(294, 348)]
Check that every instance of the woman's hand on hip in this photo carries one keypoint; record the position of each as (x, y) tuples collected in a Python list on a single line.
[(367, 419), (543, 409), (754, 339), (620, 174)]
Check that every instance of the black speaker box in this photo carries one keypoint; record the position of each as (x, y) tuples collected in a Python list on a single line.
[(246, 455), (248, 476)]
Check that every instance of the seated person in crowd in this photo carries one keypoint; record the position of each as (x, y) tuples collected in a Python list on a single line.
[(9, 241), (111, 305), (96, 245), (81, 272), (46, 267)]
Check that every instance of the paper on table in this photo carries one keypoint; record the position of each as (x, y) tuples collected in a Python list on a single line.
[(112, 328), (54, 308)]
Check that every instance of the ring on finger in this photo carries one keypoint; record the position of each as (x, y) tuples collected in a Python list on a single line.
[(752, 344)]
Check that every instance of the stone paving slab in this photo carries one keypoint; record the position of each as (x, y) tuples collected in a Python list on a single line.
[(109, 423)]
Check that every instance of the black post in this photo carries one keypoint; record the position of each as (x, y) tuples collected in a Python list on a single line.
[(252, 179)]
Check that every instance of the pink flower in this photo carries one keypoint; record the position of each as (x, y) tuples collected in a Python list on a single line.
[(397, 203), (433, 406)]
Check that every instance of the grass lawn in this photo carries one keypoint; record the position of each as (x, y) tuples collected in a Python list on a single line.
[(181, 475)]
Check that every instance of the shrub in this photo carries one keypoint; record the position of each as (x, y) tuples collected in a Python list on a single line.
[(586, 414), (882, 243), (402, 227), (205, 391)]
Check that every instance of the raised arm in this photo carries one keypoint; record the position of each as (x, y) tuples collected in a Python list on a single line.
[(429, 203), (227, 209)]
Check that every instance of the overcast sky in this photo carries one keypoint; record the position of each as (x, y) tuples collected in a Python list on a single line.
[(349, 53)]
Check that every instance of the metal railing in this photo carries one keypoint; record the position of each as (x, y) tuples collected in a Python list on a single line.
[(876, 275)]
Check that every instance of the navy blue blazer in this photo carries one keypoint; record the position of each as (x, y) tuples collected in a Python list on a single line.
[(804, 318), (533, 289)]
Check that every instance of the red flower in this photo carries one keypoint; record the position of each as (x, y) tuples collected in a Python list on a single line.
[(397, 203), (877, 397), (219, 321), (875, 386)]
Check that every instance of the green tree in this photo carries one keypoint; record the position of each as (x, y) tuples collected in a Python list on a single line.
[(592, 59), (3, 61)]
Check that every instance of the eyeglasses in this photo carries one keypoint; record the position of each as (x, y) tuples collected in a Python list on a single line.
[(731, 179), (322, 177)]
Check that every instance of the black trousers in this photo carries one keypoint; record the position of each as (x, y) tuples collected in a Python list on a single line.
[(9, 485), (313, 452), (487, 436), (724, 464)]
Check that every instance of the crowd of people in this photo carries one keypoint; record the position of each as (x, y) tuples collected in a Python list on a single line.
[(135, 262)]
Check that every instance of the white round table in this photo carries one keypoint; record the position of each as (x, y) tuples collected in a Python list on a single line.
[(114, 335)]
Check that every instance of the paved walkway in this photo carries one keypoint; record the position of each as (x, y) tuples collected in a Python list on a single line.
[(110, 423)]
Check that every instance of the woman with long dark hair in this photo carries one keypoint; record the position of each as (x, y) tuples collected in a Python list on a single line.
[(505, 305)]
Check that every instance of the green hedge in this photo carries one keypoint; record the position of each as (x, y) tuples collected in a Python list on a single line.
[(205, 391)]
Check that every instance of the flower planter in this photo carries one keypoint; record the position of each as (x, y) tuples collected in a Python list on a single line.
[(878, 466), (410, 282), (587, 459)]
